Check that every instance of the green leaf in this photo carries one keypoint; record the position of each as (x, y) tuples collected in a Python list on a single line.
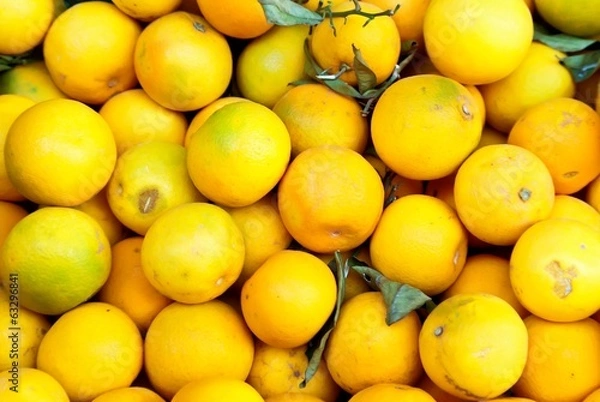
[(288, 12), (582, 66), (400, 298), (365, 76), (8, 62), (316, 347), (561, 41)]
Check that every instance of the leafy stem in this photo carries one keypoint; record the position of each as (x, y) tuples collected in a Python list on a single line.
[(357, 10)]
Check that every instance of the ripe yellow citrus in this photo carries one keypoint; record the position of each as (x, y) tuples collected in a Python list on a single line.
[(88, 61), (436, 392), (92, 349), (98, 208), (420, 241), (562, 361), (20, 346), (289, 298), (32, 385), (592, 193), (264, 233), (490, 136), (328, 119), (242, 19), (363, 350), (571, 17), (60, 271), (293, 397), (128, 288), (11, 106), (332, 42), (135, 118), (539, 77), (214, 389), (565, 134), (593, 397), (408, 18), (270, 63), (59, 152), (182, 62), (470, 41), (10, 214), (330, 198), (204, 113), (129, 394), (553, 269), (191, 342), (147, 10), (23, 25), (31, 80), (486, 273), (277, 371), (149, 179), (569, 207), (193, 253), (387, 392), (239, 154), (501, 190), (424, 126), (474, 346)]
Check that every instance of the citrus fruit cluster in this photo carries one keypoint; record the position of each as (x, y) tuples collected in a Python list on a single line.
[(310, 201)]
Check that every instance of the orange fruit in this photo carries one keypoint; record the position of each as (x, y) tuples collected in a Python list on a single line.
[(135, 118), (186, 343), (242, 19), (277, 371), (147, 10), (101, 341), (469, 40), (20, 345), (329, 119), (501, 190), (420, 141), (436, 392), (149, 179), (59, 152), (31, 80), (473, 346), (182, 62), (129, 394), (568, 207), (313, 5), (293, 397), (58, 272), (363, 350), (332, 42), (264, 233), (539, 77), (128, 288), (562, 361), (10, 215), (385, 392), (553, 269), (239, 154), (573, 17), (593, 397), (193, 252), (87, 61), (270, 63), (33, 385), (213, 389), (330, 198), (11, 106), (408, 18), (23, 25), (203, 114), (98, 208), (486, 273), (420, 241), (289, 298), (491, 136), (565, 134), (592, 193)]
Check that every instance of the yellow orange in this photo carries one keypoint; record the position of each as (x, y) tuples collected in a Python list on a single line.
[(32, 385), (98, 208), (386, 392), (23, 25), (31, 80), (573, 17), (243, 19), (129, 394), (147, 10), (203, 114), (212, 389), (10, 214), (569, 207)]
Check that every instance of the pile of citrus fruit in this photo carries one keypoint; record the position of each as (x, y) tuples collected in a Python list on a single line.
[(309, 201)]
